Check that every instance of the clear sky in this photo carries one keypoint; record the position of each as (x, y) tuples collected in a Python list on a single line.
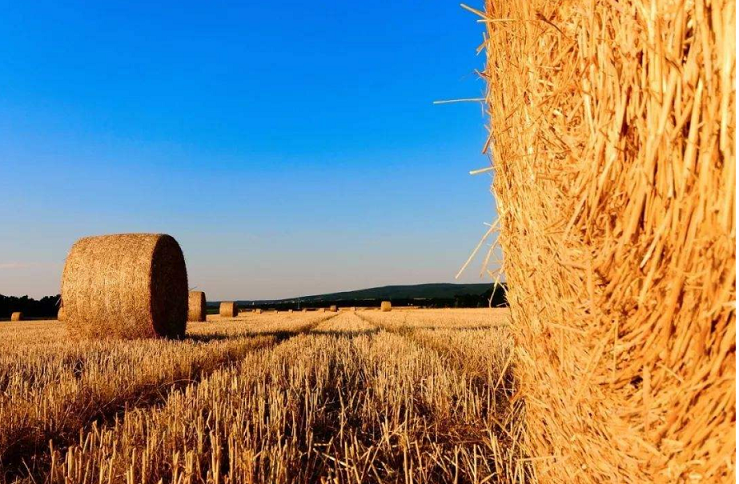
[(291, 147)]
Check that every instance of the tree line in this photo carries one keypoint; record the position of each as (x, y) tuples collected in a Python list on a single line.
[(46, 307)]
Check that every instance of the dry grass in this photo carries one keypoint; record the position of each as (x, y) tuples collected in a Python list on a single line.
[(289, 397), (613, 145)]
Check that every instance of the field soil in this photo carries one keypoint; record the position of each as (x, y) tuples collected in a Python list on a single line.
[(365, 396)]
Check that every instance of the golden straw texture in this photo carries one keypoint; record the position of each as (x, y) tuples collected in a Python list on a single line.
[(228, 309), (613, 144), (16, 316), (125, 286), (196, 306), (386, 306)]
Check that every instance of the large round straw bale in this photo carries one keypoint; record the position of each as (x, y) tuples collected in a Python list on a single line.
[(196, 306), (125, 286), (16, 316), (386, 306), (229, 309)]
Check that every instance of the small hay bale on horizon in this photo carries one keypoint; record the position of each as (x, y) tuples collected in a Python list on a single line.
[(196, 306), (258, 310), (125, 286), (16, 316), (386, 306), (228, 309), (333, 308)]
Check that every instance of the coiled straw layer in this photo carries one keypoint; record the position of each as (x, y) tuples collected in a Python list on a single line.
[(613, 146), (125, 286), (196, 306), (228, 309)]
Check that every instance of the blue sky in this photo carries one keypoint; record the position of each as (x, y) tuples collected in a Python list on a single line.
[(291, 148)]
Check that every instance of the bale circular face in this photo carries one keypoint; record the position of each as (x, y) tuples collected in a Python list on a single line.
[(196, 306), (228, 309), (16, 316), (125, 286)]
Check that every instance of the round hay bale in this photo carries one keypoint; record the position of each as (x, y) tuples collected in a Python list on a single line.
[(196, 306), (125, 286), (16, 316), (229, 309), (333, 309), (305, 310), (289, 310), (386, 306), (258, 311)]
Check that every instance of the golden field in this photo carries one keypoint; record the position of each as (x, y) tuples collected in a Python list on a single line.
[(366, 396)]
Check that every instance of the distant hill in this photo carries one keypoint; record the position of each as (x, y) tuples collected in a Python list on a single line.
[(416, 291), (431, 295)]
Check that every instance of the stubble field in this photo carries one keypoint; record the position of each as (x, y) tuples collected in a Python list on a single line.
[(366, 396)]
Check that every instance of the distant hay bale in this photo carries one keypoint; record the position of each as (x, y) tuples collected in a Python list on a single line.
[(333, 308), (125, 286), (196, 305), (612, 136), (16, 316), (228, 309), (386, 306), (258, 311)]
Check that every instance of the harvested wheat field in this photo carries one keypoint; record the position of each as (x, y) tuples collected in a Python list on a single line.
[(290, 397)]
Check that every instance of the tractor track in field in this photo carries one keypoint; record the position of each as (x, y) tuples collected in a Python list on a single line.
[(28, 458), (499, 407), (453, 359)]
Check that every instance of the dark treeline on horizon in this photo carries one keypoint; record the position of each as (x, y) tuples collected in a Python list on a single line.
[(486, 299), (46, 307)]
